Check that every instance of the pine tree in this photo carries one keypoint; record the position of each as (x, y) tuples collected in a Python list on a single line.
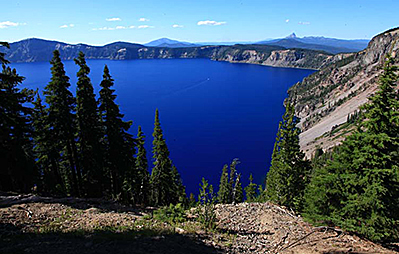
[(359, 189), (89, 131), (119, 144), (46, 154), (2, 55), (232, 180), (18, 171), (286, 178), (224, 192), (192, 202), (164, 177), (62, 122), (142, 169), (250, 190), (178, 188), (238, 194)]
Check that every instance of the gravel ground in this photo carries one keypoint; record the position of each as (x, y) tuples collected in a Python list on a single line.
[(33, 224), (268, 228)]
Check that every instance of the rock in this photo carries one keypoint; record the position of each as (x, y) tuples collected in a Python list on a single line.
[(179, 230)]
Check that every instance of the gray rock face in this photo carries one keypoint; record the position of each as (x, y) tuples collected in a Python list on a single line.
[(325, 98)]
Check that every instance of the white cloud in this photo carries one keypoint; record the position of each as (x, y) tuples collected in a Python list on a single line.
[(303, 23), (287, 20), (113, 19), (106, 28), (143, 19), (144, 26), (177, 26), (211, 23), (6, 24), (66, 26), (103, 28)]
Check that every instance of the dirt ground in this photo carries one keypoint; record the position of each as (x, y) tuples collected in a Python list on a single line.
[(31, 224)]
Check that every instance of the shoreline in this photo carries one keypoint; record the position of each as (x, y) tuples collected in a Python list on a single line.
[(232, 62)]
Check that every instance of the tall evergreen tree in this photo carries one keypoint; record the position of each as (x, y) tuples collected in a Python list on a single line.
[(18, 170), (163, 176), (359, 189), (224, 190), (232, 181), (119, 144), (250, 190), (230, 187), (142, 169), (238, 193), (46, 154), (179, 189), (286, 178), (62, 122), (89, 131)]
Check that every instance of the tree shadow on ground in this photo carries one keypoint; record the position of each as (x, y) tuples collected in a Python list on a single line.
[(7, 200), (12, 240)]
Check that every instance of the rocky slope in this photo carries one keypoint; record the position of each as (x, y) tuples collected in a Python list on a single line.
[(326, 98), (35, 50), (32, 224)]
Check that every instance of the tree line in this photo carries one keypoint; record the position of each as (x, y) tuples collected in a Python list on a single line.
[(79, 146), (355, 186)]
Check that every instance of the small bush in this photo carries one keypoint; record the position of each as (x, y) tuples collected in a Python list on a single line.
[(206, 209), (171, 214)]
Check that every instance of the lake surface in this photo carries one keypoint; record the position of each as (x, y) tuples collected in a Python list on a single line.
[(210, 112)]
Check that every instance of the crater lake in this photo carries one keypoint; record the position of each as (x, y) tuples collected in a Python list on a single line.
[(211, 112)]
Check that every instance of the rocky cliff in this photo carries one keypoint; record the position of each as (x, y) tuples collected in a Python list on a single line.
[(326, 98), (35, 50)]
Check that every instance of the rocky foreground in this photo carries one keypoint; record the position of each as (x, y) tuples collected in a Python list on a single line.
[(31, 224)]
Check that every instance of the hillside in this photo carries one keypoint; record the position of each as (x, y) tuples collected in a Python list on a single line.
[(330, 45), (168, 43), (326, 98), (296, 43), (36, 50), (36, 224)]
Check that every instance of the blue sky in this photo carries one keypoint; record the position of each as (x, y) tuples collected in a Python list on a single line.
[(100, 22)]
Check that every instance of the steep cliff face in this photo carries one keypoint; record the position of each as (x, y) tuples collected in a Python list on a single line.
[(326, 98), (35, 50), (274, 56)]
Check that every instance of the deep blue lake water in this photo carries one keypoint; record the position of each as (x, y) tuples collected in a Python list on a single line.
[(210, 112)]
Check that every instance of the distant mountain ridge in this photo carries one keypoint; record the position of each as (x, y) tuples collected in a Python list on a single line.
[(329, 45), (291, 36), (35, 50), (169, 43)]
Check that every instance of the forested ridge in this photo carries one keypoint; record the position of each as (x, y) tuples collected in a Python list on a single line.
[(37, 50), (82, 147)]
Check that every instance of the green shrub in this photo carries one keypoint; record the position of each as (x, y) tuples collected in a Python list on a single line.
[(206, 209), (171, 214)]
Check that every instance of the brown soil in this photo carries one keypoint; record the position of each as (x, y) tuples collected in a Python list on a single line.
[(31, 224)]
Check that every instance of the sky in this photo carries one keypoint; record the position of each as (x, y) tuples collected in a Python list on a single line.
[(100, 22)]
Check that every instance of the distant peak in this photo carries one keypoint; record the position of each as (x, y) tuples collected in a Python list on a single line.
[(293, 35)]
